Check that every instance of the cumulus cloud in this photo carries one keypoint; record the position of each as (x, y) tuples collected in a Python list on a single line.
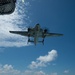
[(54, 73), (40, 73), (14, 22), (9, 70), (66, 71), (29, 72), (23, 1), (42, 61), (47, 58)]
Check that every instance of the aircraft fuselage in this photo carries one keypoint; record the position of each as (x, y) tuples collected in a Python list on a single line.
[(36, 33)]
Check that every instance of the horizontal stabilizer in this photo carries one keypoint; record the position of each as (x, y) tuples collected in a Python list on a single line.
[(41, 42), (30, 40)]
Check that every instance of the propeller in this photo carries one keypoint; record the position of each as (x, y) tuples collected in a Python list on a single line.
[(46, 30), (29, 29)]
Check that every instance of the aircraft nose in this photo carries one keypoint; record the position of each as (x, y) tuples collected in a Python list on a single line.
[(38, 25)]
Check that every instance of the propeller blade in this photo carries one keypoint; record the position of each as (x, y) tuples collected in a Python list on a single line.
[(45, 30), (29, 29)]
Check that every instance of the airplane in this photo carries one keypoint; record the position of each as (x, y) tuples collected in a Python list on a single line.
[(36, 33), (7, 6)]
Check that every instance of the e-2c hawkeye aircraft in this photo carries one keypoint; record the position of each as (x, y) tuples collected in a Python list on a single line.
[(36, 32), (7, 6)]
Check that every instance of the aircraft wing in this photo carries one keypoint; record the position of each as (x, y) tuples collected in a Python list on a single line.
[(53, 34), (23, 33)]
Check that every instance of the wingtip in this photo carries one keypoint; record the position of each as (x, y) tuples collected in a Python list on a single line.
[(62, 34), (10, 31)]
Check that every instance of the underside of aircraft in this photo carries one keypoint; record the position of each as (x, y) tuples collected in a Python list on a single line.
[(36, 33)]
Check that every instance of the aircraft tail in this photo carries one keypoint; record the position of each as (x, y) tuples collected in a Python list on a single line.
[(41, 42), (38, 41), (30, 40)]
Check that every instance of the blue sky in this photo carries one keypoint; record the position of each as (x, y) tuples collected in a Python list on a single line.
[(56, 57)]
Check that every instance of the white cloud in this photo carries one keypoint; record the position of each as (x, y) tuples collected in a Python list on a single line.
[(29, 72), (66, 71), (13, 22), (40, 73), (23, 1), (9, 70), (42, 61), (48, 58), (54, 73)]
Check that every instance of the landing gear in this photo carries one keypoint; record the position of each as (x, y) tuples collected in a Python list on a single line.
[(28, 40), (43, 41), (28, 35)]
